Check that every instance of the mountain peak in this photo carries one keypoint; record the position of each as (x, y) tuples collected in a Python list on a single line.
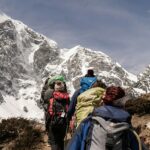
[(3, 17)]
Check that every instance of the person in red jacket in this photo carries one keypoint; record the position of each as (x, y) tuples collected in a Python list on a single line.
[(57, 110)]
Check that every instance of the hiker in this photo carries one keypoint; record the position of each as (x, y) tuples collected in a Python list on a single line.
[(48, 89), (89, 100), (85, 83), (107, 128), (46, 94), (57, 111)]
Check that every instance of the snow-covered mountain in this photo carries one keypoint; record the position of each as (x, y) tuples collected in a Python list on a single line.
[(27, 58), (75, 62), (19, 80), (143, 82)]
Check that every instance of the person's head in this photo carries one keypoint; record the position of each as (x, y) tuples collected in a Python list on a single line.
[(90, 72), (59, 85), (57, 82), (113, 93)]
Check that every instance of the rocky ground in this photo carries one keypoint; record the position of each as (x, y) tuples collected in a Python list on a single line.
[(143, 129)]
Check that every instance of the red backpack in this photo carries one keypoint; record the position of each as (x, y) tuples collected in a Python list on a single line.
[(58, 107)]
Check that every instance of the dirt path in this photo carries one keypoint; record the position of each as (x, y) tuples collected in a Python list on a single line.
[(44, 145)]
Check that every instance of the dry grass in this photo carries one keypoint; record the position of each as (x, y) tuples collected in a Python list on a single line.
[(140, 106), (21, 133)]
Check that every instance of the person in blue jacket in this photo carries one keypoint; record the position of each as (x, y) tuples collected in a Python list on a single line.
[(86, 82), (108, 112)]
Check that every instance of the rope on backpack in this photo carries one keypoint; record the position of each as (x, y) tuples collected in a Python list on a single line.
[(138, 139)]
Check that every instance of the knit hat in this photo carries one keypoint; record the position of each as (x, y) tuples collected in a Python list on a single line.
[(53, 79)]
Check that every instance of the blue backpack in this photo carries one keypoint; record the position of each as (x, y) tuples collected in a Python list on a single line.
[(86, 83)]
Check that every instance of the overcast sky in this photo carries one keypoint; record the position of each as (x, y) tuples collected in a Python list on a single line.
[(119, 28)]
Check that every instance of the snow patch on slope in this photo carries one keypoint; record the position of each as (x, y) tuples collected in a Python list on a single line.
[(15, 108), (138, 90), (31, 55), (67, 53), (25, 104)]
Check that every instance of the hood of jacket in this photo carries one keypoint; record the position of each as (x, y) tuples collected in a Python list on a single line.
[(112, 113)]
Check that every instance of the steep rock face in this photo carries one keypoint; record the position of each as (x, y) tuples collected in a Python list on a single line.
[(19, 77), (1, 99), (9, 56), (44, 55), (18, 56), (144, 80), (142, 86)]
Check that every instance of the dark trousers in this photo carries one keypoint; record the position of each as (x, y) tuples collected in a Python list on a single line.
[(47, 120), (56, 135)]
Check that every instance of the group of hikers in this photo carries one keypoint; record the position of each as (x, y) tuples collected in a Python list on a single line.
[(100, 118)]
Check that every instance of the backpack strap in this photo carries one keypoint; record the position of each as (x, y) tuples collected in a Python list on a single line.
[(59, 97), (51, 107)]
